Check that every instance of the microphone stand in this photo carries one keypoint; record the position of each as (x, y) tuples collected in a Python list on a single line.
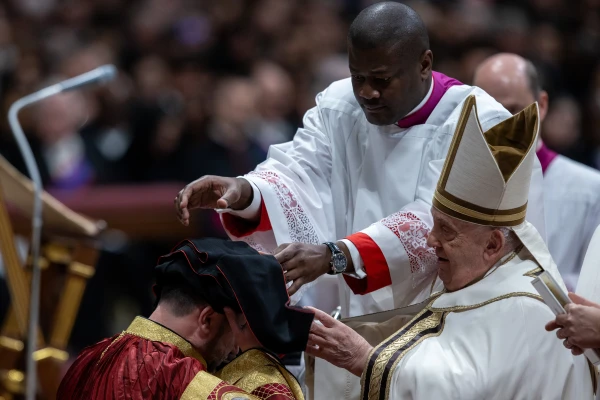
[(36, 230), (98, 75)]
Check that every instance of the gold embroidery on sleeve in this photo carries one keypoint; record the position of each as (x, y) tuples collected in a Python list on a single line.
[(254, 369), (209, 387), (201, 386)]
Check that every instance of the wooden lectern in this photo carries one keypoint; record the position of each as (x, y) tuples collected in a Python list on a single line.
[(67, 258)]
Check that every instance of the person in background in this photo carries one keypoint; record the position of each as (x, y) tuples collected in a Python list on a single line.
[(571, 189), (579, 326), (276, 94), (236, 104), (62, 153)]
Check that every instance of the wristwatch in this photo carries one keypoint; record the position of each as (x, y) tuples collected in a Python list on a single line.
[(338, 263)]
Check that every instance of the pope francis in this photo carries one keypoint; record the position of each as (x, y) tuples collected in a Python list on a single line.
[(481, 333)]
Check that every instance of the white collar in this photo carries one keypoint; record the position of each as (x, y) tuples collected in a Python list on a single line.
[(422, 103), (505, 281)]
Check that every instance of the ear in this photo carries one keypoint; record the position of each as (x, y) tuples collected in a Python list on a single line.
[(208, 319), (426, 64), (495, 244), (543, 104)]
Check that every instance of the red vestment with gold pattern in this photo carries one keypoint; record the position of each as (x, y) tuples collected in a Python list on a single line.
[(149, 361)]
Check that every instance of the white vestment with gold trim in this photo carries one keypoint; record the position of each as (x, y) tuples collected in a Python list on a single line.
[(486, 341)]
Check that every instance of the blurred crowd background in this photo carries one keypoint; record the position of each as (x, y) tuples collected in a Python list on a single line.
[(205, 86)]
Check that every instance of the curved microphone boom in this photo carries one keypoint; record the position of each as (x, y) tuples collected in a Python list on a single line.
[(99, 75), (96, 76)]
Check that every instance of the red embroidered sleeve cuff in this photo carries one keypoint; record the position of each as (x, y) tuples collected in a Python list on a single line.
[(376, 268), (240, 227)]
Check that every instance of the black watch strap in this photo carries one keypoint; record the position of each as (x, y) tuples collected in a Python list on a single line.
[(335, 251), (333, 247)]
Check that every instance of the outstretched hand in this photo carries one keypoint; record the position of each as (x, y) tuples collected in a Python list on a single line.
[(337, 343), (579, 327), (212, 192)]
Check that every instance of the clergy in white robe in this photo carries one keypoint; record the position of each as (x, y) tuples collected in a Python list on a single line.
[(571, 189), (481, 333), (572, 209), (579, 327), (362, 169)]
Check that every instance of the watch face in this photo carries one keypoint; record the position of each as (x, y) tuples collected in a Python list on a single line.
[(339, 262)]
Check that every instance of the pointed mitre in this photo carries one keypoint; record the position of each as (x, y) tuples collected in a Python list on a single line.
[(486, 175)]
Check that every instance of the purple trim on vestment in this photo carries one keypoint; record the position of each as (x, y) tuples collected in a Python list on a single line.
[(546, 156), (441, 83)]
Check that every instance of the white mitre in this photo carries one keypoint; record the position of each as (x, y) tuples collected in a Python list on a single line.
[(486, 176)]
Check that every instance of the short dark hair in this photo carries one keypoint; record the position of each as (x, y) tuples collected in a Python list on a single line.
[(533, 78), (388, 24), (181, 299)]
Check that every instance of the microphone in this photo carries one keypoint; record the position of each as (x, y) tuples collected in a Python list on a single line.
[(96, 76), (99, 75)]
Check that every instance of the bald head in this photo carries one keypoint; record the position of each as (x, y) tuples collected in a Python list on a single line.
[(389, 25), (512, 80)]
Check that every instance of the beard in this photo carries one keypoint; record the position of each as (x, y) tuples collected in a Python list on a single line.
[(221, 353)]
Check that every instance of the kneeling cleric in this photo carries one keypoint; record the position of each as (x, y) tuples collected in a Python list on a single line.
[(215, 298)]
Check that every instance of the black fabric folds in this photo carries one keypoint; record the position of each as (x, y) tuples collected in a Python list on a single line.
[(232, 274)]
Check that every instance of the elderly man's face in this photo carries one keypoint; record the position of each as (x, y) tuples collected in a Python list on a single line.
[(462, 249)]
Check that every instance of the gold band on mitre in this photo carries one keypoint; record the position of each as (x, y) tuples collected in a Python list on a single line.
[(466, 211), (486, 174)]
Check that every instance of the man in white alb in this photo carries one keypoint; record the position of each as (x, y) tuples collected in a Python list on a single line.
[(481, 334), (571, 189), (361, 171)]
